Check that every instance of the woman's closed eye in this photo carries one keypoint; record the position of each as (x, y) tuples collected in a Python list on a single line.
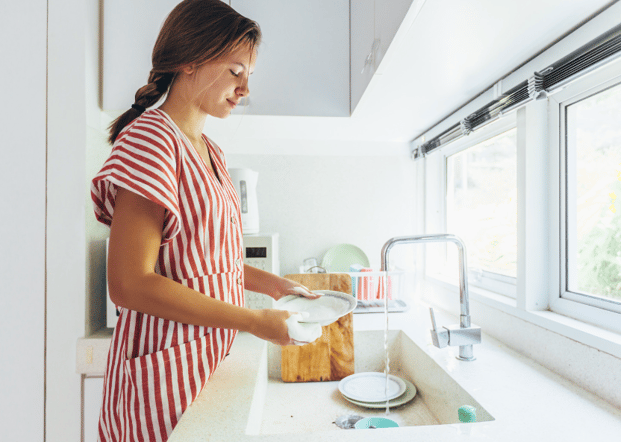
[(235, 74)]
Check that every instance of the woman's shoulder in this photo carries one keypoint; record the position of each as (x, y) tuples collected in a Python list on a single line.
[(150, 128)]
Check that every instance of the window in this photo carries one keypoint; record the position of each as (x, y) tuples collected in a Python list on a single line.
[(478, 203), (593, 198), (481, 203), (536, 197)]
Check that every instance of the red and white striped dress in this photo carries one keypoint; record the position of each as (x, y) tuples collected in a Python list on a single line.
[(156, 368)]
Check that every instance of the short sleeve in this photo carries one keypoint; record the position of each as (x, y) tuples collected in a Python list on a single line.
[(143, 160)]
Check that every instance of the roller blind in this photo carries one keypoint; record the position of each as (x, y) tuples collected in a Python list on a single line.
[(584, 59)]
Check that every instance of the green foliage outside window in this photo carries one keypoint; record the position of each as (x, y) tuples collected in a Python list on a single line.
[(599, 272)]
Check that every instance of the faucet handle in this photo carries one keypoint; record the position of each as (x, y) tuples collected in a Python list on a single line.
[(440, 338), (433, 319)]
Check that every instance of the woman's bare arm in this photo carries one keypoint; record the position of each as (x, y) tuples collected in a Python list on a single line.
[(260, 281), (135, 239)]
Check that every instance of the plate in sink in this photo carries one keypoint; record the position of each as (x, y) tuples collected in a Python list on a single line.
[(410, 393), (371, 387)]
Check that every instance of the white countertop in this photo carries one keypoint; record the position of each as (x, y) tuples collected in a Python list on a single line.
[(528, 401)]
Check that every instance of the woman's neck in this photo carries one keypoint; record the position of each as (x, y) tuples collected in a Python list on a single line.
[(188, 117)]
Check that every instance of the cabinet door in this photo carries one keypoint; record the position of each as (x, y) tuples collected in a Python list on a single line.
[(130, 28), (362, 37), (303, 64), (93, 396), (389, 15), (374, 24)]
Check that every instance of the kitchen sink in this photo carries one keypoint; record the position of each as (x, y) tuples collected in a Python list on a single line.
[(306, 407)]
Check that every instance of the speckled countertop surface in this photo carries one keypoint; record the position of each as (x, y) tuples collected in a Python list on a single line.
[(527, 401)]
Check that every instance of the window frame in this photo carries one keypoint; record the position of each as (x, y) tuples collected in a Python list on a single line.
[(436, 209), (531, 314), (544, 291), (580, 306)]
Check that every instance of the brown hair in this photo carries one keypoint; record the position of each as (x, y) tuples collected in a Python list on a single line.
[(195, 32)]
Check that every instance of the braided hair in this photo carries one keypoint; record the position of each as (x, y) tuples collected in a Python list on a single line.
[(195, 32)]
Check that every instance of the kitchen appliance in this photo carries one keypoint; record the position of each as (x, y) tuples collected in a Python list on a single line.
[(261, 251), (245, 182)]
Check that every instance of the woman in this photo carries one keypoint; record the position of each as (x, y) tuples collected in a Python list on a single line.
[(175, 264)]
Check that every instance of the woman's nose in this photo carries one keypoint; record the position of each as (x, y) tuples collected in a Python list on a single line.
[(243, 90)]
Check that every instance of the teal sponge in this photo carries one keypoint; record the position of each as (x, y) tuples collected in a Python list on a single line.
[(467, 413)]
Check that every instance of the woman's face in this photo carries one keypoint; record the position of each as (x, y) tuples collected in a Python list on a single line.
[(219, 85)]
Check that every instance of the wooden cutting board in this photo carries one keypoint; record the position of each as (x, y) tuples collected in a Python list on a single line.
[(331, 357)]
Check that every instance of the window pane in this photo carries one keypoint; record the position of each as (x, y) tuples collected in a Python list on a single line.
[(594, 195), (482, 203)]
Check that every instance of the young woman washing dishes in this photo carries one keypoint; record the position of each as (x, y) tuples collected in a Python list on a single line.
[(175, 263)]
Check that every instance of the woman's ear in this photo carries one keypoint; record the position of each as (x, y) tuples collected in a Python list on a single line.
[(189, 69)]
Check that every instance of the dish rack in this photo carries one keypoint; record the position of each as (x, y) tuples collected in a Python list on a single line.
[(372, 287)]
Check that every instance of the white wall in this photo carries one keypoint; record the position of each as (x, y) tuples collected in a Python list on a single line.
[(22, 197), (42, 263), (67, 140), (316, 202)]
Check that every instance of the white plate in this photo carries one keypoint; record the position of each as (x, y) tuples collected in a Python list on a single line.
[(371, 387), (324, 310), (340, 258), (410, 393)]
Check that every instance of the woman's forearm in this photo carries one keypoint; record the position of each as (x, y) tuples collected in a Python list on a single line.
[(159, 296), (162, 297), (272, 285), (260, 281)]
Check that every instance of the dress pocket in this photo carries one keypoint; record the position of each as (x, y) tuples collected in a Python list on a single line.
[(161, 385)]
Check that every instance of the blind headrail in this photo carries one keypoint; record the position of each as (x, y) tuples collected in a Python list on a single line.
[(592, 55)]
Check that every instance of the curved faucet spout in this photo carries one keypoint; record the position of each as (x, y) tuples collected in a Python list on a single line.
[(464, 300), (465, 328)]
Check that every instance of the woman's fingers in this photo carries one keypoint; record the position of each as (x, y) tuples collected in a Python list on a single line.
[(271, 326), (300, 290)]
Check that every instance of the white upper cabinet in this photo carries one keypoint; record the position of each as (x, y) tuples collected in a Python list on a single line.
[(316, 58), (303, 63), (374, 24), (130, 28), (389, 15), (363, 53)]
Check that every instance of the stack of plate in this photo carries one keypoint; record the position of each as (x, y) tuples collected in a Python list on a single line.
[(369, 390)]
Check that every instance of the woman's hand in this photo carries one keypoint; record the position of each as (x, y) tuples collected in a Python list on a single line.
[(260, 281), (288, 287), (270, 325), (275, 325)]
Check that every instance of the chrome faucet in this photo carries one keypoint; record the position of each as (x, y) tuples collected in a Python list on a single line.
[(463, 335)]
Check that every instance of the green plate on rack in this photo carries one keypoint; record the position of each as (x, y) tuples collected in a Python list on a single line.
[(340, 258)]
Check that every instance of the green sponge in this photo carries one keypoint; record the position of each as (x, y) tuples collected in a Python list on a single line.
[(467, 414)]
